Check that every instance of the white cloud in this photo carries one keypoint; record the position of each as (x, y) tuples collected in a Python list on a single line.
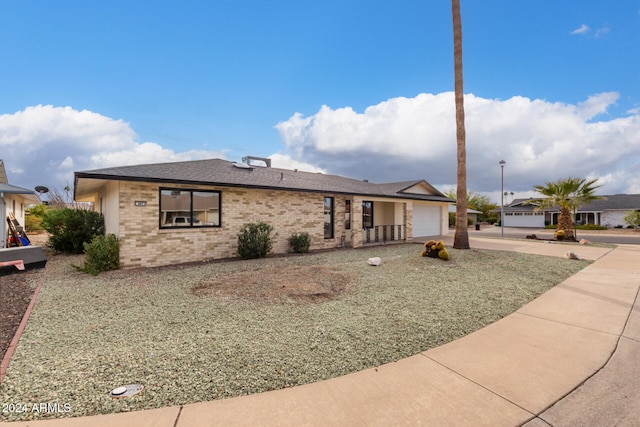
[(414, 138), (44, 145), (284, 161), (598, 33), (582, 29), (596, 104)]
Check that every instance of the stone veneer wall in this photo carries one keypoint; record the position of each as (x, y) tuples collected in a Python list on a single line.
[(144, 244)]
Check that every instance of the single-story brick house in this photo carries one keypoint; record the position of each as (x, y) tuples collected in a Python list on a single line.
[(608, 212), (178, 212)]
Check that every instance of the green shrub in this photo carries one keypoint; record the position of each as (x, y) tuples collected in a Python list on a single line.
[(33, 219), (32, 224), (69, 229), (255, 241), (632, 218), (102, 254), (300, 243)]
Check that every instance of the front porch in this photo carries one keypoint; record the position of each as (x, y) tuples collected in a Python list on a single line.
[(581, 218), (378, 221), (384, 234)]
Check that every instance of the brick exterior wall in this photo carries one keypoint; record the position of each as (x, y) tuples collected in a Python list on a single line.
[(144, 244)]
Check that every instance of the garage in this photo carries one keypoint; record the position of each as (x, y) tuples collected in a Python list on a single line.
[(524, 219), (426, 220)]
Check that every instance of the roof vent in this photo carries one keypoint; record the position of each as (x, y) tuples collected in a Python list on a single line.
[(242, 165), (248, 160), (365, 180)]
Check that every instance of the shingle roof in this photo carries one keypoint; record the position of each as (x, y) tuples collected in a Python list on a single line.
[(223, 173)]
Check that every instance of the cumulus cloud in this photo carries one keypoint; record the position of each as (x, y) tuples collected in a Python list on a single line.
[(44, 145), (284, 161), (414, 138)]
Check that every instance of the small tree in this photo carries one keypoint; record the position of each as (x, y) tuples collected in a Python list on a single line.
[(632, 219), (33, 221), (475, 201), (255, 240)]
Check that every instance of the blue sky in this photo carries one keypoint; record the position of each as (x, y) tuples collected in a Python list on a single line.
[(361, 89)]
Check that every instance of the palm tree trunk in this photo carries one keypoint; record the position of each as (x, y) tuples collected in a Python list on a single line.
[(565, 223), (461, 238)]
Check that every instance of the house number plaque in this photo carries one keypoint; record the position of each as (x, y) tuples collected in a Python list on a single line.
[(140, 203)]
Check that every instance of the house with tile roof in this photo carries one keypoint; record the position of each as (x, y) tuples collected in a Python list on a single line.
[(608, 212), (171, 213)]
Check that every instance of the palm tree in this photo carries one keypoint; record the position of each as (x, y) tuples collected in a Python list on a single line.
[(461, 238), (567, 194)]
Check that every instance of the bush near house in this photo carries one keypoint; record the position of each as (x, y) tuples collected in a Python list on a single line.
[(69, 229), (300, 243), (255, 240), (632, 219), (102, 254)]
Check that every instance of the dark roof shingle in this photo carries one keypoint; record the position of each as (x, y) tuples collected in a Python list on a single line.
[(224, 173)]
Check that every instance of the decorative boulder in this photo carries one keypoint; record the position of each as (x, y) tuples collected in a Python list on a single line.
[(374, 261), (572, 255)]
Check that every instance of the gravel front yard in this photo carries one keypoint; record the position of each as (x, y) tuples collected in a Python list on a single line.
[(217, 330)]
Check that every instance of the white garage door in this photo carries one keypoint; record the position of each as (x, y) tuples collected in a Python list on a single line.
[(524, 219), (426, 220)]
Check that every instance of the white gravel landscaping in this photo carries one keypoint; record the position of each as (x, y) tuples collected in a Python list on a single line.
[(222, 329)]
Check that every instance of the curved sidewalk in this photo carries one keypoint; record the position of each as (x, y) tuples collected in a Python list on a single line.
[(529, 367)]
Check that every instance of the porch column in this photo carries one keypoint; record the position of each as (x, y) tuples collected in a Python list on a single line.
[(356, 222), (408, 221)]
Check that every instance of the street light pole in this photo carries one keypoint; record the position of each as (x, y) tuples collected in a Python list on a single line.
[(501, 163)]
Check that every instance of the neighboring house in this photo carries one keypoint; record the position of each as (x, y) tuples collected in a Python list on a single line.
[(192, 211), (608, 212), (12, 200), (471, 213)]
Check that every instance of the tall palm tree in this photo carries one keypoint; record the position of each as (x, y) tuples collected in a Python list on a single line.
[(461, 238), (568, 195)]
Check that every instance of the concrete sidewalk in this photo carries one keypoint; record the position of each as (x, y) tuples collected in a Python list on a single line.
[(528, 368)]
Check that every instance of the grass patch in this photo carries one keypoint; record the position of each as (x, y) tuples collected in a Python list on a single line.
[(225, 329)]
